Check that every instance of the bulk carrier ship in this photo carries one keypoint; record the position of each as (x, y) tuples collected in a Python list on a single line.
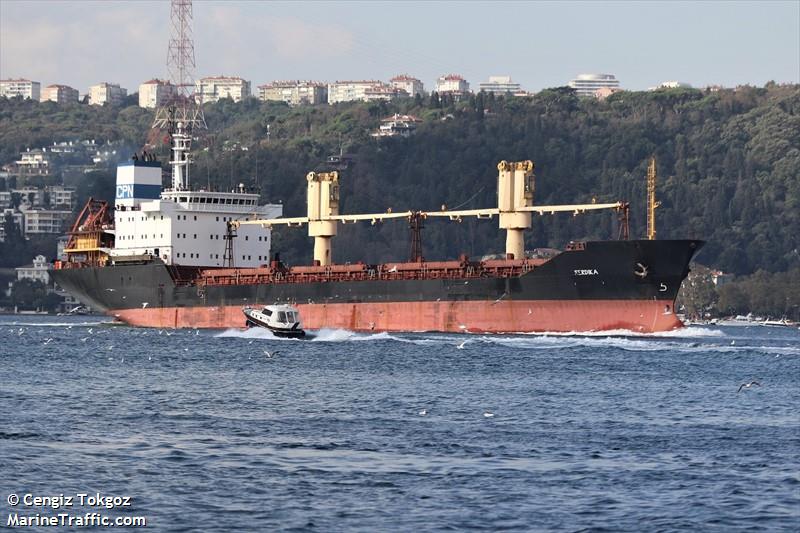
[(184, 258)]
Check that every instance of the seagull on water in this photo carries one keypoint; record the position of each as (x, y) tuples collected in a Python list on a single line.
[(461, 346), (748, 385), (270, 355), (110, 290), (423, 412), (488, 415)]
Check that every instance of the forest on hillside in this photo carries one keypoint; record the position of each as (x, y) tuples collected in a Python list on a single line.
[(728, 165)]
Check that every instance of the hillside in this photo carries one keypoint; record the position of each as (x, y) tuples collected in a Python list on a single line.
[(728, 164)]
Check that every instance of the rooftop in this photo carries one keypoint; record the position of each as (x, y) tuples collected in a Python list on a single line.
[(595, 77), (404, 77)]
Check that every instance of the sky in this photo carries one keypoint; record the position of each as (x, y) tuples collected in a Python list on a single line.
[(539, 44)]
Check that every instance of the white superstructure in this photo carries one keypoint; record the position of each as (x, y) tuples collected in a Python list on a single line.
[(183, 227)]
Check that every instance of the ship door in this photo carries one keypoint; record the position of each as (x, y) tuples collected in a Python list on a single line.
[(155, 252)]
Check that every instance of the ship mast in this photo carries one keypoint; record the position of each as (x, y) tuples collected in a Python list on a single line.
[(652, 204), (181, 114)]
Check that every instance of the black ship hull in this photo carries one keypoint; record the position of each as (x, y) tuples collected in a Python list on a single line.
[(598, 286)]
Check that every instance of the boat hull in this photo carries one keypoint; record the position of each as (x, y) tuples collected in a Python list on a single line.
[(594, 288), (457, 317)]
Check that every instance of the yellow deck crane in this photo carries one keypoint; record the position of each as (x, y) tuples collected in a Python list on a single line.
[(515, 206)]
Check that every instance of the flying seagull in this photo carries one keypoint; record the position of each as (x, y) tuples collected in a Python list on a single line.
[(271, 355), (748, 385), (461, 346)]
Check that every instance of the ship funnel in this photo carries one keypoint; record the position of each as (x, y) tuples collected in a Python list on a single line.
[(137, 181)]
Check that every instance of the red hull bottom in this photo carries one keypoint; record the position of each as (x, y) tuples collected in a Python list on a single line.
[(472, 317)]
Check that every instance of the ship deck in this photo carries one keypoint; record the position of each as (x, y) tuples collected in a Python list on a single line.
[(277, 273)]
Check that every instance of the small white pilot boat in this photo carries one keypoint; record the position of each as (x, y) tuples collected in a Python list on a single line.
[(281, 319)]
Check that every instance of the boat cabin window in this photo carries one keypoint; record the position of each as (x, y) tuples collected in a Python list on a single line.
[(267, 312), (281, 316)]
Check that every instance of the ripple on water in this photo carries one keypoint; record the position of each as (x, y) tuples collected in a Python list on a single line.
[(623, 432)]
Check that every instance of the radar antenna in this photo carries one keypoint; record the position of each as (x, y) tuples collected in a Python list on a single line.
[(181, 114)]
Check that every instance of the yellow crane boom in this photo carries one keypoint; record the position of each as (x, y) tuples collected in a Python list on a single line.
[(515, 206)]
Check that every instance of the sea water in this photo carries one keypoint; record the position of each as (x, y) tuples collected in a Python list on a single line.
[(232, 430)]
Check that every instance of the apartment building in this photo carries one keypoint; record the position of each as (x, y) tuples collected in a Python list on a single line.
[(40, 221), (362, 91), (452, 84), (60, 94), (212, 88), (409, 84), (500, 85), (33, 163), (294, 93), (106, 93), (588, 84), (29, 197), (21, 87), (155, 92)]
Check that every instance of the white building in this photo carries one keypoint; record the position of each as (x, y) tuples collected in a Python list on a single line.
[(397, 126), (57, 196), (294, 93), (39, 221), (33, 163), (106, 93), (452, 84), (350, 91), (212, 88), (60, 94), (21, 87), (587, 84), (34, 272), (500, 85), (671, 85), (155, 92), (383, 92), (61, 196), (409, 84)]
